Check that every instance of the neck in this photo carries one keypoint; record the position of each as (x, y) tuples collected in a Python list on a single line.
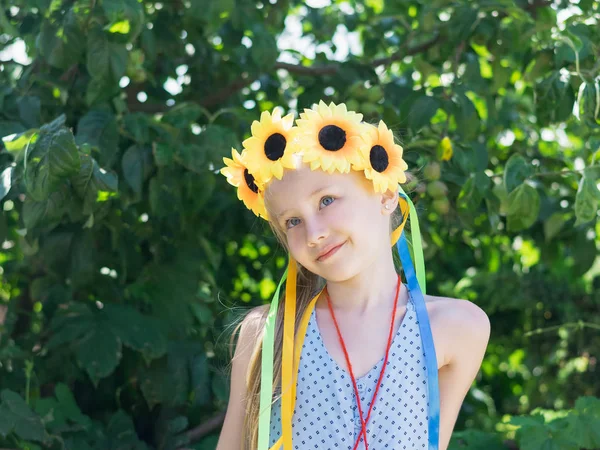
[(372, 289)]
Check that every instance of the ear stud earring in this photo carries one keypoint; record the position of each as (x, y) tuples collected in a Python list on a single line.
[(387, 206)]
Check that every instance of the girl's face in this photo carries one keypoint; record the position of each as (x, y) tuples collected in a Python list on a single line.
[(317, 212)]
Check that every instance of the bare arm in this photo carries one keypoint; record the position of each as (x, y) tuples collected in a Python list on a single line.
[(231, 433), (468, 329)]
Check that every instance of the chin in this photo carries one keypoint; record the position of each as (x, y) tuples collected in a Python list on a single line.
[(337, 273)]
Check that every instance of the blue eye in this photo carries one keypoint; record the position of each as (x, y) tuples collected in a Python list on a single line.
[(327, 197), (288, 222)]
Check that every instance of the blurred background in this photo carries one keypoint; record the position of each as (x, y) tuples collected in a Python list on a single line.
[(127, 260)]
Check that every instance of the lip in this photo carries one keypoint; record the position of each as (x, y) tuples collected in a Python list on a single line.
[(330, 252)]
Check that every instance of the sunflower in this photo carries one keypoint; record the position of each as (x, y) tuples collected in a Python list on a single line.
[(249, 189), (268, 148), (329, 137), (381, 158)]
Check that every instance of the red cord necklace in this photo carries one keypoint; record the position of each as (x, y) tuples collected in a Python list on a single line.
[(363, 421)]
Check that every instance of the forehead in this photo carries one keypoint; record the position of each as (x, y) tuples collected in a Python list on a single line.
[(299, 184)]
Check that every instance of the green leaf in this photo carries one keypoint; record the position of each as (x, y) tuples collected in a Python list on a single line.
[(98, 54), (121, 27), (554, 99), (137, 124), (105, 59), (100, 90), (587, 198), (589, 104), (535, 434), (421, 112), (192, 157), (130, 10), (167, 380), (467, 119), (17, 417), (69, 406), (99, 351), (516, 170), (30, 110), (554, 224), (164, 195), (96, 346), (118, 60), (47, 212), (209, 12), (200, 380), (473, 191), (61, 46), (264, 49), (51, 160), (183, 115), (163, 154), (69, 325), (99, 129), (540, 65), (523, 207), (91, 181), (121, 433), (10, 127), (5, 181), (58, 413), (139, 332), (83, 265), (132, 165), (17, 143), (216, 142), (463, 21)]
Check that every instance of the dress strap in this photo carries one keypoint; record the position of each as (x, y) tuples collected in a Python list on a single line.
[(430, 357)]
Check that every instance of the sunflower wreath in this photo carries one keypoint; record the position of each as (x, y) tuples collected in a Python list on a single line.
[(328, 137)]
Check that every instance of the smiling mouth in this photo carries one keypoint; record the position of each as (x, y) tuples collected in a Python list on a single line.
[(330, 252)]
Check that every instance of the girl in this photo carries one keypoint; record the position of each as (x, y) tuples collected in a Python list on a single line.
[(354, 358)]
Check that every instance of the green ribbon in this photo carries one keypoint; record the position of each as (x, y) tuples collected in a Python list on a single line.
[(417, 243), (266, 376)]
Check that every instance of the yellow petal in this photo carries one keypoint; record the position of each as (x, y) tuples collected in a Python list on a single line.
[(278, 170)]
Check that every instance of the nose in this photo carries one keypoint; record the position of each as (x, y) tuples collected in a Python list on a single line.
[(316, 231)]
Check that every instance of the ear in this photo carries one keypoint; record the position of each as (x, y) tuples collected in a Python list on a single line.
[(390, 199)]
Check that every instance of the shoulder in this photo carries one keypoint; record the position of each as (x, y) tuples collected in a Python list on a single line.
[(460, 326), (464, 312), (250, 331), (253, 322)]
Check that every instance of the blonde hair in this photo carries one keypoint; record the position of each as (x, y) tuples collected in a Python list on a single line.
[(308, 285)]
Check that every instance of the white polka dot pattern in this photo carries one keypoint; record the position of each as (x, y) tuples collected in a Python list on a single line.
[(326, 414)]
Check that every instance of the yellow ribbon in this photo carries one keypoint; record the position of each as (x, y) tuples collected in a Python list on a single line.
[(287, 387)]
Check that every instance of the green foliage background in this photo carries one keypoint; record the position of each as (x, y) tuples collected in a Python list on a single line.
[(126, 258)]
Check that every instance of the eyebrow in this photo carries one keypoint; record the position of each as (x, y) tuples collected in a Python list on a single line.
[(278, 216)]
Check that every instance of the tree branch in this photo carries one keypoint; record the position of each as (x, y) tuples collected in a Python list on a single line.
[(224, 93), (244, 80), (197, 433), (408, 52), (332, 69)]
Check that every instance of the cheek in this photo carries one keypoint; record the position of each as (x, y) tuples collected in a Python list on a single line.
[(294, 242)]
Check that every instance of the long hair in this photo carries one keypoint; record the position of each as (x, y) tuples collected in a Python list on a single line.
[(308, 285)]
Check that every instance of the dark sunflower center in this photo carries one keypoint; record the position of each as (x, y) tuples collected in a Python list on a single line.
[(274, 146), (379, 158), (250, 181), (332, 137)]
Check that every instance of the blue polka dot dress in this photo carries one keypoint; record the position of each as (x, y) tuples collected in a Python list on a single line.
[(326, 413)]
